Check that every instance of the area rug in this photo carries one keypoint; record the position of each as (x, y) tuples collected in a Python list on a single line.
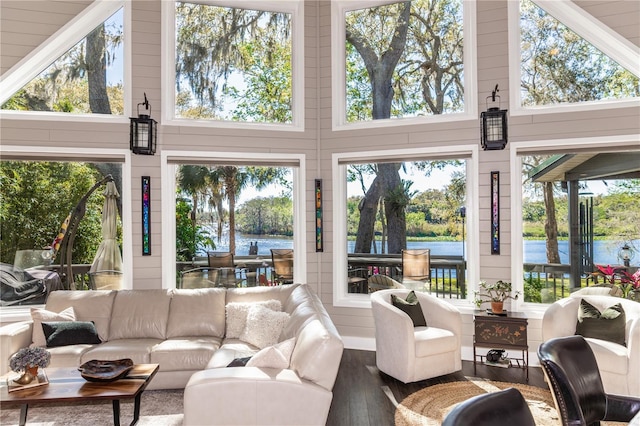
[(429, 406), (157, 408)]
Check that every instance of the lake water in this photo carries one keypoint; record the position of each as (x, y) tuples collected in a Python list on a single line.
[(605, 252)]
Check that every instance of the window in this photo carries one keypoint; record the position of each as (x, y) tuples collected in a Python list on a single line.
[(236, 64), (402, 61), (591, 66), (243, 203), (582, 187), (390, 202), (86, 79), (37, 199)]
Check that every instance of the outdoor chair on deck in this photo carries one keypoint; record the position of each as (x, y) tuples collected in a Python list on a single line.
[(416, 268), (105, 280), (197, 278), (382, 282), (282, 261), (223, 269)]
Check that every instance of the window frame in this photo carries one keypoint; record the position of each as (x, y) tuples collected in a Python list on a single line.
[(339, 166), (56, 45), (553, 146), (338, 65), (169, 163), (590, 29), (168, 44), (21, 153)]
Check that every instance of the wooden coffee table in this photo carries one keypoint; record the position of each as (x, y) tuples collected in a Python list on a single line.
[(67, 385)]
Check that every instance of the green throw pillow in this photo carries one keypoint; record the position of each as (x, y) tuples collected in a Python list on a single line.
[(606, 325), (411, 306), (64, 333)]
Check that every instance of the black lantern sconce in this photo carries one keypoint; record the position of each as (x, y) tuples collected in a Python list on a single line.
[(493, 125), (626, 254), (143, 131)]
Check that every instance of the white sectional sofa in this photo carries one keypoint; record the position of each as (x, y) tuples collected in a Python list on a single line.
[(185, 332)]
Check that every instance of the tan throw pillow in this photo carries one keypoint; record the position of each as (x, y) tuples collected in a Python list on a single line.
[(263, 326), (40, 315), (237, 315), (276, 356)]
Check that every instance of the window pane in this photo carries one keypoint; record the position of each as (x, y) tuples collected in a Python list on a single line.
[(233, 64), (86, 79), (559, 66), (36, 199), (411, 205), (604, 215), (404, 60), (245, 210)]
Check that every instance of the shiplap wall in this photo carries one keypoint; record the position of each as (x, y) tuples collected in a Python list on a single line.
[(26, 24)]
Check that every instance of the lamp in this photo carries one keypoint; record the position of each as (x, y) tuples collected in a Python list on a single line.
[(493, 126), (143, 131), (626, 254)]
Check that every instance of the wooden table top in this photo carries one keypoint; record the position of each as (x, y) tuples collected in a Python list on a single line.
[(66, 384)]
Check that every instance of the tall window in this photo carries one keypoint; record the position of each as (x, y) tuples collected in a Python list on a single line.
[(390, 207), (558, 66), (36, 200), (401, 60), (237, 65), (87, 79)]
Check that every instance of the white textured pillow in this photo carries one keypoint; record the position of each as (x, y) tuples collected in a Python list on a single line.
[(39, 315), (263, 326), (276, 356), (237, 315)]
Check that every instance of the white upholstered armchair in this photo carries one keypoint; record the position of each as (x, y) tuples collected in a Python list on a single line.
[(619, 365), (410, 353)]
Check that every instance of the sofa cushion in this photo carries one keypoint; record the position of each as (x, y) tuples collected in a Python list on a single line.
[(608, 324), (139, 350), (263, 326), (185, 353), (197, 312), (92, 305), (432, 340), (410, 306), (257, 294), (236, 315), (230, 350), (38, 315), (140, 314), (64, 333), (275, 356)]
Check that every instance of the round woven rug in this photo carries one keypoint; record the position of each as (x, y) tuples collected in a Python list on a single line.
[(429, 406)]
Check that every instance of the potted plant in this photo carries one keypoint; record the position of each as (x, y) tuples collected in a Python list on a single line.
[(495, 293), (622, 283), (27, 360)]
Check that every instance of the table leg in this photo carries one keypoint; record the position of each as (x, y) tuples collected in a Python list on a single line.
[(116, 412), (23, 414), (136, 409), (474, 359)]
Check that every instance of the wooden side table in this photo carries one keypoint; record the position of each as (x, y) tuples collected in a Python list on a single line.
[(501, 331)]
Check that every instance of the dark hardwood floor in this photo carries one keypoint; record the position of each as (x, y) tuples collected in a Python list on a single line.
[(359, 397)]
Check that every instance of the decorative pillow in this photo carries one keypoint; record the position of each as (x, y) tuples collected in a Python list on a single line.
[(64, 333), (606, 325), (276, 356), (237, 315), (263, 326), (39, 315), (410, 306), (239, 362)]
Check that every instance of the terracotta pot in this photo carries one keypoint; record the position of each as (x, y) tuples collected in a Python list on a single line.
[(497, 307), (33, 370)]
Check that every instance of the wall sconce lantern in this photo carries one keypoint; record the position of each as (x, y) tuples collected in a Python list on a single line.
[(493, 126), (143, 131), (626, 254)]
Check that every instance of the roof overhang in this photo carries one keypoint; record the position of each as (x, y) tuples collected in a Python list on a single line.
[(588, 166)]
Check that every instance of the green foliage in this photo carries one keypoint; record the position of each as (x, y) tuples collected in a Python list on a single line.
[(189, 238), (532, 289), (266, 216), (36, 197)]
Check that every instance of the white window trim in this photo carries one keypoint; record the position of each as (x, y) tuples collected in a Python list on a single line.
[(589, 28), (60, 42), (338, 64), (168, 176), (622, 142), (168, 74), (339, 176), (21, 313)]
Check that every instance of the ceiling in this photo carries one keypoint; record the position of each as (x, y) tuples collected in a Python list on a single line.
[(588, 166)]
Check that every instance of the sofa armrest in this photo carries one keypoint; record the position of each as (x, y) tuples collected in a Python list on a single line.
[(633, 348), (254, 396), (12, 338), (560, 318)]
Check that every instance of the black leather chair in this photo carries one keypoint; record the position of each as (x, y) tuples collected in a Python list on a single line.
[(572, 372), (503, 408)]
